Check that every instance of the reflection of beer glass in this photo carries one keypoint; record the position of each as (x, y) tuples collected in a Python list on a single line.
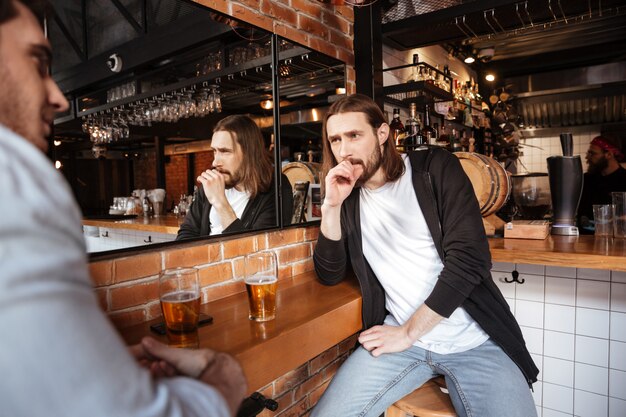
[(261, 278), (179, 291)]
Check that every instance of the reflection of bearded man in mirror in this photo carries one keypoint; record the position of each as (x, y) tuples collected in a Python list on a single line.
[(604, 176), (237, 192)]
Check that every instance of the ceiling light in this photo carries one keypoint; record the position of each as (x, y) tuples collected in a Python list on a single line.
[(58, 164), (57, 143), (469, 60), (267, 104), (490, 77), (340, 90)]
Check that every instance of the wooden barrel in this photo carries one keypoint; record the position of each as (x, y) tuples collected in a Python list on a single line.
[(491, 182), (302, 171)]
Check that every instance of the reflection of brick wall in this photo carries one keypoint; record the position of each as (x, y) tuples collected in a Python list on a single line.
[(144, 171), (175, 179)]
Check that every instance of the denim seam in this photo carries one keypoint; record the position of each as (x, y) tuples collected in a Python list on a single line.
[(447, 372), (391, 384)]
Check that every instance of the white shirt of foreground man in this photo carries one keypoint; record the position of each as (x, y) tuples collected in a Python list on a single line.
[(59, 354)]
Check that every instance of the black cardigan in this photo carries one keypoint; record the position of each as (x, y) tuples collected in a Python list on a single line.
[(450, 208), (260, 212)]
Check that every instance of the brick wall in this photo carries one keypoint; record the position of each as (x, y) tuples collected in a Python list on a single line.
[(325, 26)]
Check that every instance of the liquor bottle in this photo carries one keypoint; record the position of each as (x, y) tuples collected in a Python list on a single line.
[(413, 137), (427, 131), (416, 73), (397, 130)]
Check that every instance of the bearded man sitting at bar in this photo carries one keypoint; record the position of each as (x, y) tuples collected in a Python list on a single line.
[(237, 192), (604, 175)]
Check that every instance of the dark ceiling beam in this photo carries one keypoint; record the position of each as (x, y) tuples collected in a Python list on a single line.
[(129, 17), (75, 46)]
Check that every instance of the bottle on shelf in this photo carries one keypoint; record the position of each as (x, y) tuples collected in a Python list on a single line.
[(428, 132), (397, 130), (413, 138), (416, 72)]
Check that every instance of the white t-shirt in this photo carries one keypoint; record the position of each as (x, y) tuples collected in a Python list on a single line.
[(398, 246), (237, 200)]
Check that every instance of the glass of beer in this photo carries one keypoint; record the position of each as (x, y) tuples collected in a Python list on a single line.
[(179, 292), (261, 278)]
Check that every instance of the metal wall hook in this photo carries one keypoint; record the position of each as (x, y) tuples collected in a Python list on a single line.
[(493, 16), (456, 21), (149, 240), (515, 276), (562, 13), (528, 14), (469, 28), (551, 11)]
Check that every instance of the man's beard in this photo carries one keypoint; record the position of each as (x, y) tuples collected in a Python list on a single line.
[(598, 167), (373, 163), (231, 180)]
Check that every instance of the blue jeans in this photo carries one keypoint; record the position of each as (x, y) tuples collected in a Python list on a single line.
[(483, 382)]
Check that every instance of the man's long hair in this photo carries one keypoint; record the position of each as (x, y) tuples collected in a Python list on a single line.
[(256, 167), (40, 8), (392, 163)]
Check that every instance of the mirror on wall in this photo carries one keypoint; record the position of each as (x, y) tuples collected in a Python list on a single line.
[(147, 131)]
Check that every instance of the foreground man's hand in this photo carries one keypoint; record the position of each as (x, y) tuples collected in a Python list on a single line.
[(217, 369)]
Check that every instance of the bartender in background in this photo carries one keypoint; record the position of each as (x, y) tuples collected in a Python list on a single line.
[(238, 191), (604, 175), (59, 354)]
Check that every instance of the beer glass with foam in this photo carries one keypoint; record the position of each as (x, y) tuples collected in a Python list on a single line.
[(261, 279), (179, 292)]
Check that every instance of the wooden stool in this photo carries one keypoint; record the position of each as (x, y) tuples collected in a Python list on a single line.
[(426, 401)]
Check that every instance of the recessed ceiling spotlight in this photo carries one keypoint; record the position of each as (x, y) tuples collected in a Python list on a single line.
[(469, 60), (490, 77)]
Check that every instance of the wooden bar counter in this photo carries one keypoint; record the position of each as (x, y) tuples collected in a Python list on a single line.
[(162, 224), (565, 251), (310, 318)]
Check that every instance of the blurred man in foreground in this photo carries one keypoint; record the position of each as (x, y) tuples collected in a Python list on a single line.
[(59, 355)]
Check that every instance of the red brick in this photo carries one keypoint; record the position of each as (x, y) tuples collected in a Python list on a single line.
[(139, 266), (317, 393), (297, 409), (214, 274), (312, 26), (284, 401), (128, 318), (239, 266), (330, 370), (294, 253), (278, 12), (133, 295), (153, 310), (285, 272), (190, 256), (309, 7), (238, 247), (101, 294), (321, 360), (291, 379), (251, 16), (302, 267), (291, 33), (261, 241), (216, 292), (345, 11), (309, 385), (341, 40), (285, 237), (322, 45), (339, 23), (311, 233), (346, 56), (219, 5), (215, 252), (101, 273), (347, 345)]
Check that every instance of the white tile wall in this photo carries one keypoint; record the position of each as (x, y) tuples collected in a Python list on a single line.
[(560, 318), (560, 345), (617, 355), (121, 238), (592, 294), (534, 155), (592, 351), (618, 327), (561, 291), (558, 371), (618, 297), (587, 404), (591, 378), (617, 407), (574, 324), (617, 384)]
